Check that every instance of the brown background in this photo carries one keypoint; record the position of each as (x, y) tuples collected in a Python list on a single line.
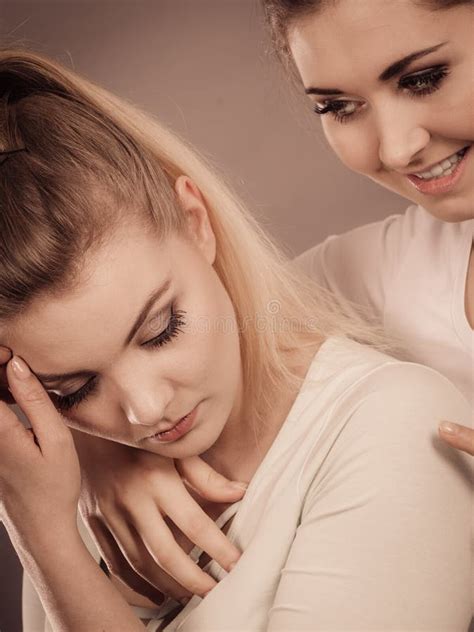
[(203, 67)]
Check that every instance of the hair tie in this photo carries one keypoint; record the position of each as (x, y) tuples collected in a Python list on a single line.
[(5, 155)]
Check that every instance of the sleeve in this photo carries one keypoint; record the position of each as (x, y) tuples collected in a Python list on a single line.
[(357, 265), (384, 538)]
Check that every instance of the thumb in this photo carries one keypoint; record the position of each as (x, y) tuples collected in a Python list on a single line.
[(207, 482), (459, 437)]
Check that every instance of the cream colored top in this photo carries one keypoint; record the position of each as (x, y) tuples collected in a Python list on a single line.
[(411, 270), (358, 518)]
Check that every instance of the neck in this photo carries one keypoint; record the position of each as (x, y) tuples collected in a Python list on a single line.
[(241, 447), (469, 296)]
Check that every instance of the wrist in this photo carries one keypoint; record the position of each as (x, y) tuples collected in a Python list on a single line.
[(80, 601), (39, 540), (45, 554)]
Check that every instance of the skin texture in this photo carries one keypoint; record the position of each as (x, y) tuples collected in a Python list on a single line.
[(394, 132)]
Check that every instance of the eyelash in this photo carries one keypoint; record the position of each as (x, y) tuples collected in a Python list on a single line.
[(66, 402), (434, 76)]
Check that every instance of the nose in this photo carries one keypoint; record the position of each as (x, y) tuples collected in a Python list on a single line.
[(401, 140), (144, 400)]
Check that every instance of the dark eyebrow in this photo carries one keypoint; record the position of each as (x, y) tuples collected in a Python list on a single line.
[(327, 91), (392, 71), (151, 300), (399, 66)]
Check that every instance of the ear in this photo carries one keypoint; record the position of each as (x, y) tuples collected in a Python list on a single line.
[(194, 206)]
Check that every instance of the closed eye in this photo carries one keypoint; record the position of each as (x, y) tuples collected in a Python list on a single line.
[(72, 400), (340, 109)]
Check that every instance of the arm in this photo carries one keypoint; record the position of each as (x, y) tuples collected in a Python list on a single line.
[(39, 489), (124, 490), (384, 540), (75, 593)]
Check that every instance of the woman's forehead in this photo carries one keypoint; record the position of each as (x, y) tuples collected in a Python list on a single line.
[(354, 35), (114, 283)]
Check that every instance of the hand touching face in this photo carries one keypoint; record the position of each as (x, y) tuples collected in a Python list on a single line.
[(39, 470), (149, 336)]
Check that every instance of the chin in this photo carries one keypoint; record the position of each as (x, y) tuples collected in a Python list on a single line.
[(451, 210)]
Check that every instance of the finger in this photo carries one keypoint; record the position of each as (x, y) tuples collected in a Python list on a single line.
[(5, 354), (164, 549), (10, 422), (118, 565), (207, 482), (190, 518), (5, 395), (134, 551), (17, 443), (459, 437), (35, 403)]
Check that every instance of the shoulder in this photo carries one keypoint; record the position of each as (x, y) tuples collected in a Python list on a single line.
[(381, 436), (366, 234), (379, 400), (406, 388)]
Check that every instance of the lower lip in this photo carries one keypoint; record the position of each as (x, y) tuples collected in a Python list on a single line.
[(178, 431), (437, 186)]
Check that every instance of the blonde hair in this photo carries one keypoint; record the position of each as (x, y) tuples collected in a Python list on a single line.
[(93, 161)]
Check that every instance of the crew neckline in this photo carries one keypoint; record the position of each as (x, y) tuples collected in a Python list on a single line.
[(463, 329)]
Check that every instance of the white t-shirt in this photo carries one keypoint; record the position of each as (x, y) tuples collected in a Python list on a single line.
[(411, 271), (358, 518)]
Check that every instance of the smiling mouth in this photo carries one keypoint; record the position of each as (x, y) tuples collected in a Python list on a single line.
[(443, 168)]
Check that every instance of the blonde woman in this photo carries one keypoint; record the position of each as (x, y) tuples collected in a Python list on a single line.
[(402, 107), (145, 307)]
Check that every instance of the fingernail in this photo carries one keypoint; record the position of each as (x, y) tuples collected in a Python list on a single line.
[(238, 485), (449, 428), (20, 368)]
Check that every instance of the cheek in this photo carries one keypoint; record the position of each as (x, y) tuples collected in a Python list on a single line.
[(455, 121), (97, 421), (355, 145)]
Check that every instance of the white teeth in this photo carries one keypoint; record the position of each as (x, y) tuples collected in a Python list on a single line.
[(443, 168)]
